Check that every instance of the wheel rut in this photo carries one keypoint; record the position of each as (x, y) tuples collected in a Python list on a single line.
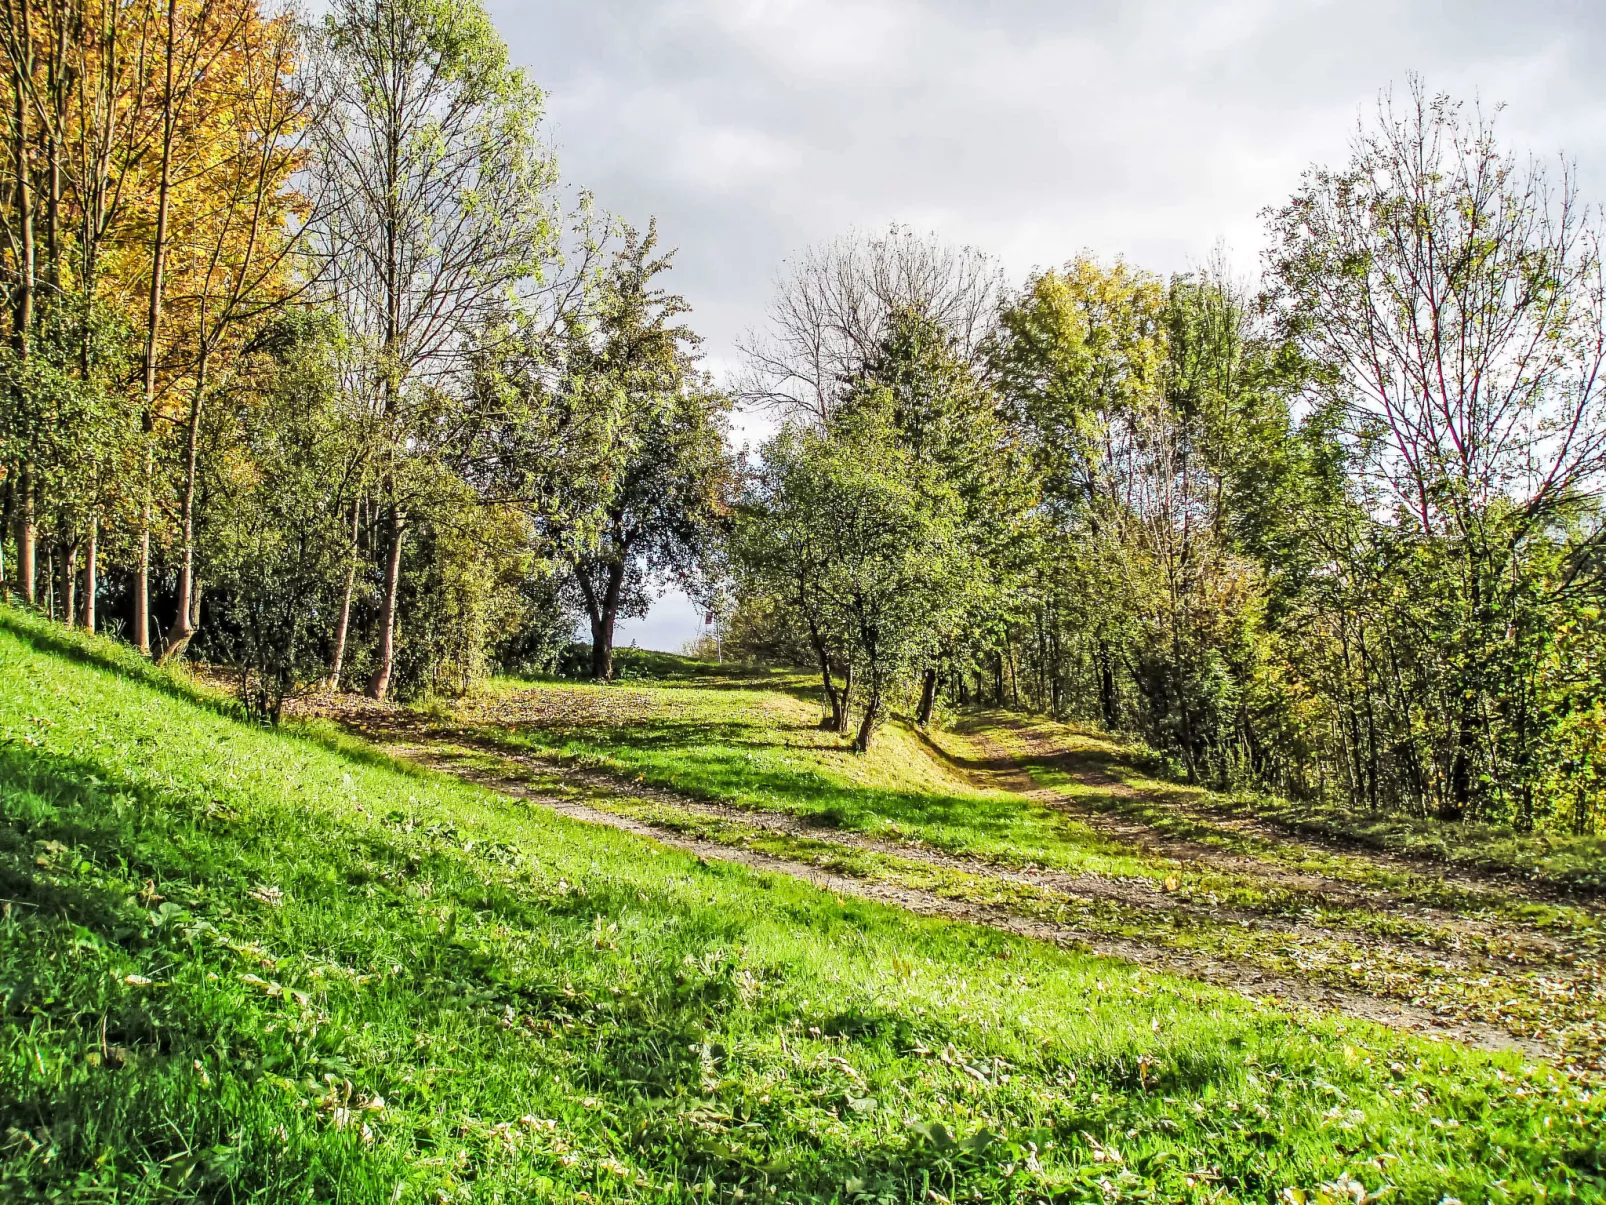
[(518, 777)]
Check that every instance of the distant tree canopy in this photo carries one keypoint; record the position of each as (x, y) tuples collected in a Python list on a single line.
[(306, 371), (1339, 538)]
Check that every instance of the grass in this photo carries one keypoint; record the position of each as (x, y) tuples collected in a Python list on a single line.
[(1560, 863), (248, 965), (1248, 893), (750, 740)]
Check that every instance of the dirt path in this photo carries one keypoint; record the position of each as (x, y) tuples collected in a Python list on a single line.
[(460, 754)]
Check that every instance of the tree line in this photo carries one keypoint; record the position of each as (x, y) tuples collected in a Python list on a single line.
[(1336, 533), (313, 368)]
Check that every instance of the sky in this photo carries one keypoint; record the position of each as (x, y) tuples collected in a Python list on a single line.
[(1155, 130)]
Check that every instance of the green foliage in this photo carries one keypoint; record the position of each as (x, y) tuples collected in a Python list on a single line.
[(277, 542), (66, 421), (888, 532), (463, 582), (871, 534), (663, 482), (1463, 539)]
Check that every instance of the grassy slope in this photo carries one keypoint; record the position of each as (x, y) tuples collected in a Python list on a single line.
[(746, 738), (247, 965), (749, 740), (1555, 860)]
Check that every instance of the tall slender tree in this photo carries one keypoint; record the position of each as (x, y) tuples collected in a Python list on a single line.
[(439, 211)]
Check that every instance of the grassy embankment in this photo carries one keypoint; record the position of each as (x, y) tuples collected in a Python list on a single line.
[(1002, 793), (240, 964)]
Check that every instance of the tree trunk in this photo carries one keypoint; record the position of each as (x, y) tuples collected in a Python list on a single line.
[(928, 697), (142, 575), (91, 568), (69, 585), (836, 700), (27, 551), (182, 629), (8, 523), (1055, 679), (872, 711), (1014, 677), (602, 648), (379, 684), (1107, 700), (24, 296), (153, 326), (1455, 805), (344, 624), (1180, 686), (1042, 661), (604, 614), (23, 315), (998, 679)]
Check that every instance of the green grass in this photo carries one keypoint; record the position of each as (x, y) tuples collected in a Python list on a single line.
[(1559, 862), (1339, 917), (249, 965), (1395, 952), (750, 739)]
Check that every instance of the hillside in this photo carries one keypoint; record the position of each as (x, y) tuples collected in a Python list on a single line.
[(289, 966), (1051, 830)]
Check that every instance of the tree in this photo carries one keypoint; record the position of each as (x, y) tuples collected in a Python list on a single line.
[(785, 542), (197, 44), (1454, 307), (279, 545), (876, 540), (1075, 351), (667, 481), (438, 212), (841, 301), (912, 315), (245, 250)]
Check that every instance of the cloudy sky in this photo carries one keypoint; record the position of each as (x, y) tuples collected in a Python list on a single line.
[(1034, 129)]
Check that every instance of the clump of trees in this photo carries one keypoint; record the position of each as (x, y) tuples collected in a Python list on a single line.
[(306, 371), (881, 523), (310, 369), (1338, 536)]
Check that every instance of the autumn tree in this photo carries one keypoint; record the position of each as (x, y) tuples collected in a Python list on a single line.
[(242, 259)]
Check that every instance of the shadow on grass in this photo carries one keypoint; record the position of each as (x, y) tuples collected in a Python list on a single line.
[(963, 764)]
